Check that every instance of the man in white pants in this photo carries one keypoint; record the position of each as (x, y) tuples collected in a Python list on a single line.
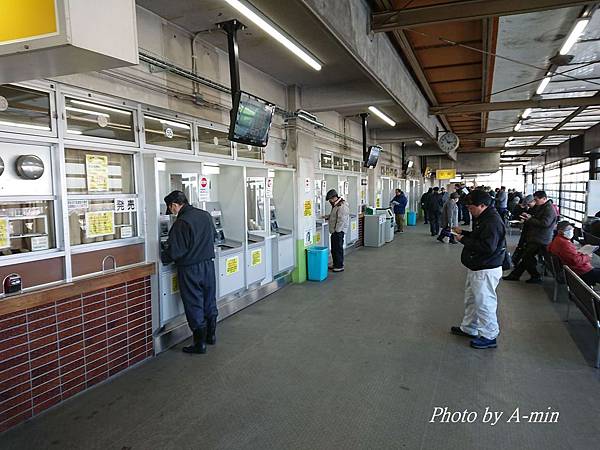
[(482, 255)]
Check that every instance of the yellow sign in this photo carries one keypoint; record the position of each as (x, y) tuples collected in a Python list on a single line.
[(4, 233), (99, 223), (307, 208), (232, 265), (445, 174), (353, 226), (26, 19), (256, 257), (378, 202), (96, 168), (174, 284), (317, 238)]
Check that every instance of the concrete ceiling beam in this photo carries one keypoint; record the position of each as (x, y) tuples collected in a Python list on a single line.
[(551, 103), (517, 134), (462, 11)]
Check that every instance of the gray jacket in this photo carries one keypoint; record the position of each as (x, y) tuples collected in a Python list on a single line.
[(540, 227), (339, 219), (501, 199), (450, 214)]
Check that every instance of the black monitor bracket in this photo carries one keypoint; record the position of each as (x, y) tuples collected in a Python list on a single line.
[(231, 27), (363, 117)]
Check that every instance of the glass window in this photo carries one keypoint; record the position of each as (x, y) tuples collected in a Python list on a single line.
[(96, 172), (552, 182), (337, 162), (326, 161), (26, 227), (255, 198), (24, 108), (167, 133), (249, 151), (213, 141), (102, 202), (356, 165), (573, 189), (91, 119), (347, 164)]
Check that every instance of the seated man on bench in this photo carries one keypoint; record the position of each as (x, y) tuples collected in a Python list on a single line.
[(579, 263)]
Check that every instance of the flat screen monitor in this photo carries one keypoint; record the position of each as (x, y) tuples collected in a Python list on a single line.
[(372, 156), (250, 120)]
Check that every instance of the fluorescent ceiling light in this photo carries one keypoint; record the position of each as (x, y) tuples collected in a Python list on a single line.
[(382, 116), (104, 108), (24, 125), (168, 122), (518, 126), (510, 138), (86, 111), (574, 36), (543, 85), (526, 113), (274, 33), (419, 143), (507, 143), (74, 132)]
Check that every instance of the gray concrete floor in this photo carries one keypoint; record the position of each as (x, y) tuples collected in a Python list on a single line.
[(357, 362)]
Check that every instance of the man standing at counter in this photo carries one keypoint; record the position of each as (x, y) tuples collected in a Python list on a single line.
[(191, 247), (338, 224)]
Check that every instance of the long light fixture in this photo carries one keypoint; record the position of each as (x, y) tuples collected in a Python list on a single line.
[(518, 126), (543, 85), (264, 25), (104, 108), (419, 143), (576, 32), (382, 116), (24, 125), (526, 113), (86, 111)]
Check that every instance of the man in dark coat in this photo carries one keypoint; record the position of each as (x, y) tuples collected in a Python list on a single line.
[(434, 211), (399, 203), (424, 202), (482, 255), (191, 247), (538, 229)]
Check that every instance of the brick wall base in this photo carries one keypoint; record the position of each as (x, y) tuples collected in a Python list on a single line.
[(52, 352)]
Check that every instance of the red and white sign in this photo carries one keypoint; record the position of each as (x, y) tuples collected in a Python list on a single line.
[(203, 189), (269, 190)]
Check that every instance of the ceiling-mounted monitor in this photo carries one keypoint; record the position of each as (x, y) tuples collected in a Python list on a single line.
[(372, 156), (250, 119)]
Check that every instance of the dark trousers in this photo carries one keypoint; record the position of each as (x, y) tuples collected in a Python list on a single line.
[(592, 277), (197, 285), (337, 249), (425, 215), (434, 222), (399, 222), (466, 215), (528, 260)]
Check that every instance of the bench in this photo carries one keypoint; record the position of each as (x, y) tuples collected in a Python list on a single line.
[(587, 300), (555, 267)]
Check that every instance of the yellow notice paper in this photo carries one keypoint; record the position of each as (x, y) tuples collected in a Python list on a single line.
[(445, 174), (307, 208), (256, 257), (96, 168), (26, 19), (232, 265), (317, 238), (353, 226), (100, 223), (174, 284), (4, 231)]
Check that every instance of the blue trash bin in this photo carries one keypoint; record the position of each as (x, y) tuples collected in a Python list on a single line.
[(318, 257), (412, 218)]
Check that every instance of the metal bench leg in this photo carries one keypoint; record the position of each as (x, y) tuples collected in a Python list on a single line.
[(568, 308), (555, 294)]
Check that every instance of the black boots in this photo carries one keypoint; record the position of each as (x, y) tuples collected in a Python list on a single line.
[(211, 336), (199, 345)]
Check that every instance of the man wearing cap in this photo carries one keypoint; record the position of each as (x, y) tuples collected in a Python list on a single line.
[(191, 247), (338, 224), (482, 255), (538, 230), (579, 263)]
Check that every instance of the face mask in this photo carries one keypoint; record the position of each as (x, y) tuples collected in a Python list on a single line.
[(569, 234)]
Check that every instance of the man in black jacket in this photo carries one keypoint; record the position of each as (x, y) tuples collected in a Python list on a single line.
[(538, 229), (482, 255), (424, 201), (434, 211), (191, 247)]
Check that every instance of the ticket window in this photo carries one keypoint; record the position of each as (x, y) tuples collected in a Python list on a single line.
[(26, 227), (255, 199)]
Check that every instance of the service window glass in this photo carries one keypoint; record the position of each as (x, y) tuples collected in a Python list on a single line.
[(24, 108), (337, 162), (347, 164), (356, 165), (249, 151), (86, 118), (26, 226), (213, 141), (167, 133), (326, 161), (96, 172), (102, 201)]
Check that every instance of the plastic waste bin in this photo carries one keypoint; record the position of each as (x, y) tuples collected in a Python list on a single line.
[(412, 219), (318, 257)]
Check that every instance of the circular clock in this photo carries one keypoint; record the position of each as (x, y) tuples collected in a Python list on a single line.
[(30, 167), (448, 142)]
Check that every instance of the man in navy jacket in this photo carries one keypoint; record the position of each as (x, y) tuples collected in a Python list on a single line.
[(399, 203)]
